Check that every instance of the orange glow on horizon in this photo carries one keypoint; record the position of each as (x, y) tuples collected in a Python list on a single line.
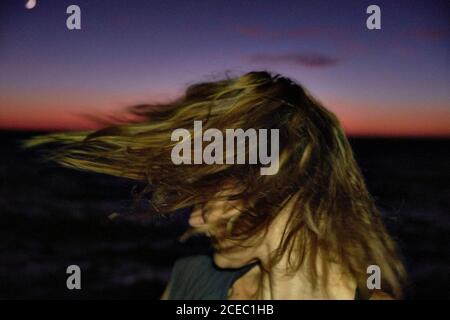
[(367, 120)]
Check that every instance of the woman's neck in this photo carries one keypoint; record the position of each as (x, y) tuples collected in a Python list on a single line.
[(260, 284)]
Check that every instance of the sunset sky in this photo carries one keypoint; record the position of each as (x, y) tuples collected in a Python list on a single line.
[(389, 82)]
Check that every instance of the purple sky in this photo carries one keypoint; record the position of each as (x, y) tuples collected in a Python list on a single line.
[(393, 81)]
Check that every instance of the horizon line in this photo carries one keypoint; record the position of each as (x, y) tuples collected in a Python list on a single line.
[(349, 135)]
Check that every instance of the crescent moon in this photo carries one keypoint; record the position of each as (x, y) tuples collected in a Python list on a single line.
[(30, 4)]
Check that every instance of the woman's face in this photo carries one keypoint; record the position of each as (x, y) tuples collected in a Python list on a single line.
[(227, 253)]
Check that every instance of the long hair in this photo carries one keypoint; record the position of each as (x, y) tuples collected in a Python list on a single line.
[(333, 215)]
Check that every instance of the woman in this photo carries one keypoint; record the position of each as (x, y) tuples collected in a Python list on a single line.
[(309, 231)]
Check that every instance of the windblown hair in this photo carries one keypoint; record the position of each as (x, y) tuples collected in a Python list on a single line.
[(333, 215)]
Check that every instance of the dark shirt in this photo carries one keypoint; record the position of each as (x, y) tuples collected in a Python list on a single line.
[(198, 278)]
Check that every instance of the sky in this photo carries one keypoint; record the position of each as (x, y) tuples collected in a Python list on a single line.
[(389, 82)]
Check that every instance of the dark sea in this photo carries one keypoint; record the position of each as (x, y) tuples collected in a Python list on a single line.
[(51, 217)]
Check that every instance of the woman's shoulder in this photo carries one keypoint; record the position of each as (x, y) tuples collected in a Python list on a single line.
[(184, 273), (191, 268), (195, 261), (362, 293), (381, 295), (197, 277)]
